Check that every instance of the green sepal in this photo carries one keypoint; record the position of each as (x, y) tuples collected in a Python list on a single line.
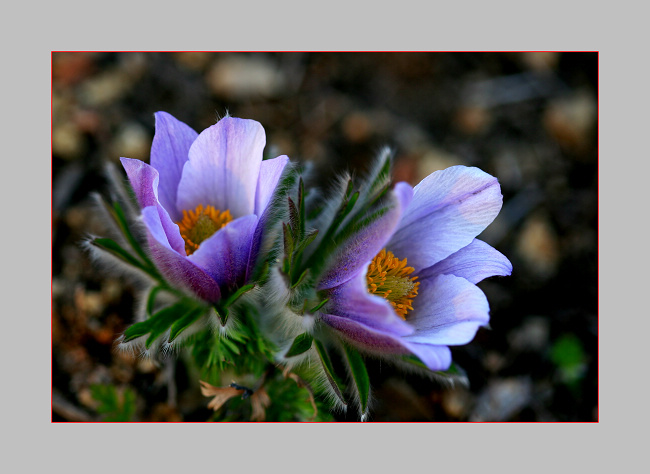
[(359, 375), (301, 343), (222, 313), (329, 369), (222, 307)]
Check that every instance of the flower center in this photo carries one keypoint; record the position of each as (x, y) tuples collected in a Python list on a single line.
[(201, 223), (388, 276)]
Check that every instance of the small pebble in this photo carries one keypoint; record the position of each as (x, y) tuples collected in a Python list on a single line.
[(238, 77)]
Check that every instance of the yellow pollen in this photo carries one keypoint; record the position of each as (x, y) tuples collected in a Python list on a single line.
[(388, 276), (201, 223)]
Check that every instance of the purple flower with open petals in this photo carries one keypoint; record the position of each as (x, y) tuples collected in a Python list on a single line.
[(406, 284), (203, 201)]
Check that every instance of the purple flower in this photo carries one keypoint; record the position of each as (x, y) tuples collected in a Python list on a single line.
[(203, 201), (406, 284)]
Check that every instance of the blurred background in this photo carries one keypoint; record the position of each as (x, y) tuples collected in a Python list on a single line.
[(530, 119)]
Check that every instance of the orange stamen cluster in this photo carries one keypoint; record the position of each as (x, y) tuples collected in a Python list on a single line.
[(198, 225), (388, 276)]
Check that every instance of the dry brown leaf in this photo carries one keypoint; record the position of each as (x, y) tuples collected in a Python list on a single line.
[(221, 394), (259, 402)]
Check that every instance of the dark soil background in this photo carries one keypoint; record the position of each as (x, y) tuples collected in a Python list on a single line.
[(530, 119)]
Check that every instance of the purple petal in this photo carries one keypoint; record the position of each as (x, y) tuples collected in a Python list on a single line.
[(364, 336), (270, 172), (163, 229), (144, 181), (353, 301), (176, 268), (362, 248), (475, 262), (434, 357), (169, 152), (256, 243), (447, 311), (224, 256), (371, 340), (448, 210), (223, 167)]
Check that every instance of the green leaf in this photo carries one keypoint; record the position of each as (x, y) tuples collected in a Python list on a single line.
[(309, 238), (301, 206), (163, 319), (285, 186), (115, 249), (117, 214), (319, 305), (329, 369), (380, 178), (349, 188), (231, 345), (301, 278), (453, 375), (288, 240), (360, 376), (567, 351), (569, 356), (301, 343), (113, 406), (411, 359), (124, 226), (294, 219), (350, 204), (136, 330), (151, 299), (159, 322), (182, 324), (241, 291), (354, 226)]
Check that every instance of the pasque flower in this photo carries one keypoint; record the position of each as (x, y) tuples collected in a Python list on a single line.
[(203, 201), (406, 284)]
